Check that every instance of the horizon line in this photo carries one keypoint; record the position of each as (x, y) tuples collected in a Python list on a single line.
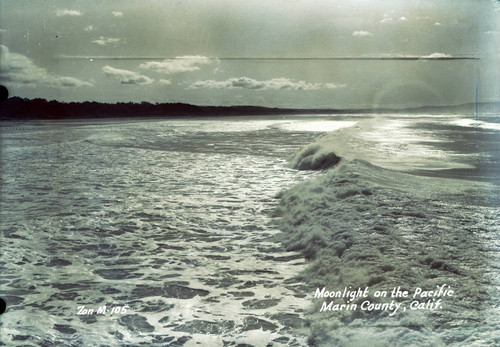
[(411, 58), (247, 105)]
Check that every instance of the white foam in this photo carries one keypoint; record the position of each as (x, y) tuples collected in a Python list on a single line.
[(476, 124), (317, 125), (360, 223)]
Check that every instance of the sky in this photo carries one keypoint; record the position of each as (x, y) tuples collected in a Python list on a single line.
[(274, 53)]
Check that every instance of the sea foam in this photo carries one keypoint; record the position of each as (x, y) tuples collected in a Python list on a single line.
[(364, 226)]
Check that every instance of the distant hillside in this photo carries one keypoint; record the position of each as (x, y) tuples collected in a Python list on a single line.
[(19, 108)]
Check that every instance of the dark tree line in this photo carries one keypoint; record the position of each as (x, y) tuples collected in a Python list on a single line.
[(21, 108), (15, 108)]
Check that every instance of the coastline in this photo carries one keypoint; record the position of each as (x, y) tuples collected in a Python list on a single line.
[(17, 108)]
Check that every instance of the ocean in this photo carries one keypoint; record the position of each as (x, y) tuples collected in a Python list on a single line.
[(222, 232)]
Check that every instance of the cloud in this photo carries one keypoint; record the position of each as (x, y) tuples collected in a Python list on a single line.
[(361, 33), (273, 84), (20, 70), (72, 13), (436, 55), (186, 63), (88, 28), (126, 76), (333, 85), (437, 24), (163, 82), (107, 41), (117, 13), (387, 18)]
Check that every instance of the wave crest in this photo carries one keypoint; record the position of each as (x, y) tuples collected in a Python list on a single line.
[(361, 225), (314, 157)]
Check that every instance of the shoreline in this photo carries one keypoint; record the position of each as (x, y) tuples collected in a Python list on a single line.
[(18, 108)]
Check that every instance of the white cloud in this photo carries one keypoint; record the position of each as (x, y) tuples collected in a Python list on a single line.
[(19, 70), (73, 13), (179, 64), (88, 28), (126, 76), (387, 18), (273, 84), (333, 85), (361, 33), (106, 41), (163, 82), (437, 55), (437, 24), (117, 13), (3, 31)]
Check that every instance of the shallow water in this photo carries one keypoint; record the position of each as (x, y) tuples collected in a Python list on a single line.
[(168, 218), (173, 219)]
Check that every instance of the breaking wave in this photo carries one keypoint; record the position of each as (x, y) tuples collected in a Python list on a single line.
[(360, 225), (314, 157)]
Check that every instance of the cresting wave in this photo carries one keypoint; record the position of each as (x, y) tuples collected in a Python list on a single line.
[(314, 158), (327, 150), (360, 226)]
